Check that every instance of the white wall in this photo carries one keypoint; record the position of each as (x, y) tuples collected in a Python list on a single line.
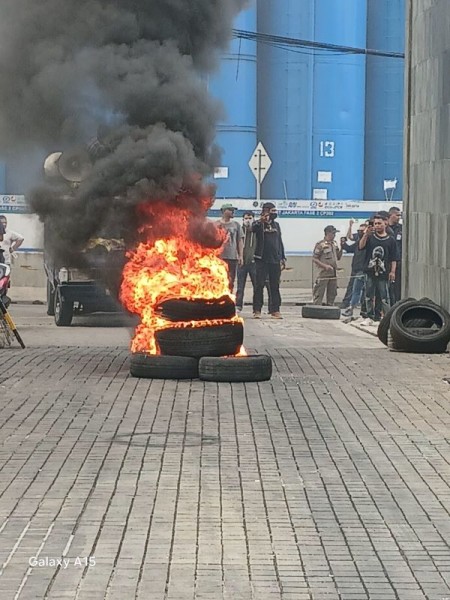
[(303, 221)]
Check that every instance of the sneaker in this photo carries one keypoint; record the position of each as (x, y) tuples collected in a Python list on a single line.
[(276, 315), (256, 315), (367, 322), (348, 312), (238, 309)]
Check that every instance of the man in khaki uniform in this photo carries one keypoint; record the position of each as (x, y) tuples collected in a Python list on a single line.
[(325, 257)]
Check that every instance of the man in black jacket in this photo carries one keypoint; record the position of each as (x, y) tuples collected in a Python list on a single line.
[(358, 276), (395, 229), (270, 259)]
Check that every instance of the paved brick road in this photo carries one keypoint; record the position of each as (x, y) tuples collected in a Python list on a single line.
[(318, 485)]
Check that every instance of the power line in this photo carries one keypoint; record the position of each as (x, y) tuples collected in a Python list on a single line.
[(291, 43)]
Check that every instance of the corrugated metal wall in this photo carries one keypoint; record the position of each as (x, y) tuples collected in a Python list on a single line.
[(339, 100), (235, 85), (331, 122), (384, 99), (2, 178), (285, 98)]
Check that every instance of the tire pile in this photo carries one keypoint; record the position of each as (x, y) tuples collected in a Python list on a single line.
[(417, 326), (201, 352)]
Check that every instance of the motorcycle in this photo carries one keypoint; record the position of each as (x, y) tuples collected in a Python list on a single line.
[(5, 275), (8, 329)]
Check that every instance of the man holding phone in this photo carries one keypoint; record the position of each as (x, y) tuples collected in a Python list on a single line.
[(379, 265), (270, 260)]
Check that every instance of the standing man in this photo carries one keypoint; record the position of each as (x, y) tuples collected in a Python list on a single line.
[(395, 229), (325, 257), (232, 249), (270, 260), (358, 278), (11, 240), (350, 249), (379, 265), (248, 267)]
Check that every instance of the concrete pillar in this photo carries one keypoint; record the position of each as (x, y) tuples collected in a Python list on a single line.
[(427, 152)]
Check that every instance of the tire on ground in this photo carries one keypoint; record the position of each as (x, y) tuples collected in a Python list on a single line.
[(315, 311), (383, 327), (257, 367), (50, 300), (149, 366), (433, 338), (216, 340), (197, 309), (63, 310)]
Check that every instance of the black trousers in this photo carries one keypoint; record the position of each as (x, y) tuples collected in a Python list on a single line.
[(272, 272), (396, 288)]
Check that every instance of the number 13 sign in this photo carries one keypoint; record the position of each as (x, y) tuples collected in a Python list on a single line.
[(327, 149)]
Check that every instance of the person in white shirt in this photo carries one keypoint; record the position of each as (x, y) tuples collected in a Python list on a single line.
[(11, 240)]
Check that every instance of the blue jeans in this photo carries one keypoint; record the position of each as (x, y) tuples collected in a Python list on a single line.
[(357, 290), (377, 289)]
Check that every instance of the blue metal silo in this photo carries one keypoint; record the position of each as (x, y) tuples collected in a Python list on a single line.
[(235, 86), (285, 97), (384, 98), (2, 178), (339, 101)]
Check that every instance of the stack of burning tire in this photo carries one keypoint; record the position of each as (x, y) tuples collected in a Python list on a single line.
[(191, 348), (418, 326)]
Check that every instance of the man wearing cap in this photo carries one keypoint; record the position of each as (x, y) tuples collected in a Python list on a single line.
[(325, 257), (233, 247)]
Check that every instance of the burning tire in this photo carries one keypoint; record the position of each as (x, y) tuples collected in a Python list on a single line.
[(198, 309), (149, 366), (216, 340), (236, 368)]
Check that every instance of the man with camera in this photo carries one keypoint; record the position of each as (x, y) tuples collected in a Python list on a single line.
[(379, 266), (358, 279), (270, 260)]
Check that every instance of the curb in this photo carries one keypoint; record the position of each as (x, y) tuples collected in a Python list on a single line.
[(370, 330)]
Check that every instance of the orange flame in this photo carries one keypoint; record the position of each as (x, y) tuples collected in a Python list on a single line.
[(170, 268)]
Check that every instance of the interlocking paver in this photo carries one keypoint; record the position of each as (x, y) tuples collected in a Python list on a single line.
[(322, 484)]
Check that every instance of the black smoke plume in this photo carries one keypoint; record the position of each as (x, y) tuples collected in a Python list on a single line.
[(133, 71)]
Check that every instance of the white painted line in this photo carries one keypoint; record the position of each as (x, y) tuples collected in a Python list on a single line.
[(27, 574), (16, 545), (5, 522), (69, 543)]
